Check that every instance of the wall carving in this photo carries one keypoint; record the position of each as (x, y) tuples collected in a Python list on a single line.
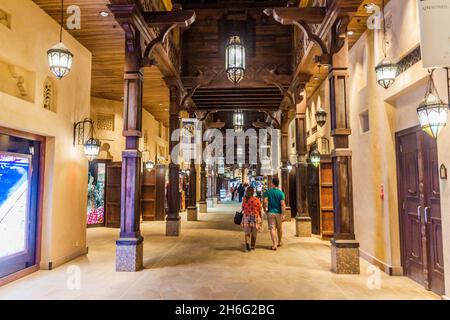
[(17, 81), (5, 18), (49, 95), (105, 122)]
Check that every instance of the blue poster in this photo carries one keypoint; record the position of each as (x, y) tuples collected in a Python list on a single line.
[(14, 187)]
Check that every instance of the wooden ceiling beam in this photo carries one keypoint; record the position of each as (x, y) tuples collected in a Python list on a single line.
[(290, 15)]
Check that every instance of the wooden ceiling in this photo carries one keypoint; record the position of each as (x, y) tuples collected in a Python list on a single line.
[(358, 24), (202, 51), (105, 39)]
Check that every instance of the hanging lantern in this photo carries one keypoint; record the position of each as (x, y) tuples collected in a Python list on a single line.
[(235, 59), (289, 166), (314, 157), (321, 117), (432, 111), (386, 73), (59, 57), (149, 165), (238, 121), (92, 148)]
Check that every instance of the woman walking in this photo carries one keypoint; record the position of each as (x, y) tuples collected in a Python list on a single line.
[(252, 219)]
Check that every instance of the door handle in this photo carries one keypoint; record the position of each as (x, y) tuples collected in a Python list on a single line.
[(418, 212), (426, 214)]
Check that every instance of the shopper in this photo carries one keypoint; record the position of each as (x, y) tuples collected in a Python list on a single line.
[(252, 219), (275, 206)]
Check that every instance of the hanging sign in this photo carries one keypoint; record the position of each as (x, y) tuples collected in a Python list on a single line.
[(435, 32)]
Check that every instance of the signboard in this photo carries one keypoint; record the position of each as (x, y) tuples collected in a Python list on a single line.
[(190, 137), (221, 165), (434, 16)]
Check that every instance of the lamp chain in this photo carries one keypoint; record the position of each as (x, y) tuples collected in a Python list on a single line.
[(62, 20), (384, 30)]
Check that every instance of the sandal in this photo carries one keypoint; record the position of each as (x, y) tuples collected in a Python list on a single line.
[(274, 248)]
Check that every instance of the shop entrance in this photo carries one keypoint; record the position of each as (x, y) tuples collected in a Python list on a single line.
[(20, 171), (420, 209)]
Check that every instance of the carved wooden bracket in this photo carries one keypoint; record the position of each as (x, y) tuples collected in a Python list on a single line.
[(339, 33), (201, 81), (277, 123), (302, 18), (165, 22)]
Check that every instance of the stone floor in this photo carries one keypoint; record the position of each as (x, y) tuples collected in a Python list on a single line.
[(208, 262)]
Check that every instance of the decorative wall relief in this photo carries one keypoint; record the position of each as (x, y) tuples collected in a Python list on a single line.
[(17, 81), (49, 95), (5, 19), (105, 122), (20, 80)]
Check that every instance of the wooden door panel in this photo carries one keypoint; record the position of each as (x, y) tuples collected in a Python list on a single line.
[(113, 194), (410, 207), (326, 198), (420, 210), (433, 216)]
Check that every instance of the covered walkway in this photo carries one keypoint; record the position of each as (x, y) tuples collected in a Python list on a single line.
[(207, 261)]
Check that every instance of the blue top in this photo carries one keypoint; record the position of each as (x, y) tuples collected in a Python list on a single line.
[(274, 196)]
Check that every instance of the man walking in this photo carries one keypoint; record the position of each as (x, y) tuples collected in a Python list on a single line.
[(275, 206), (241, 192)]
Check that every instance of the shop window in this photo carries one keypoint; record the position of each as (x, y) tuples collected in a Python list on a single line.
[(364, 121), (49, 95)]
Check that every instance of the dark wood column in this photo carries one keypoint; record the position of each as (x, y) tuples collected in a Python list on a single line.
[(345, 248), (203, 178), (192, 210), (173, 222), (285, 160), (129, 248), (303, 220)]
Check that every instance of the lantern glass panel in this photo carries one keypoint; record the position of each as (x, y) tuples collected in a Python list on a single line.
[(315, 158), (433, 115), (386, 73), (60, 60)]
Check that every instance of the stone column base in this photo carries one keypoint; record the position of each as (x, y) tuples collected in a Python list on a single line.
[(345, 256), (173, 228), (303, 227), (203, 206), (129, 254), (192, 214), (287, 215)]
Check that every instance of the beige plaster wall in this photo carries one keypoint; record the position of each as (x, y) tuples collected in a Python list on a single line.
[(114, 142), (374, 159), (25, 45)]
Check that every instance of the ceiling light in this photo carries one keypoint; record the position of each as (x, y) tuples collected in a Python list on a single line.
[(350, 32), (104, 14)]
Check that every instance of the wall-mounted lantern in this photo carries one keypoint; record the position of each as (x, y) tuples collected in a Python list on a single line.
[(149, 165), (235, 59), (59, 57), (314, 157), (91, 145), (321, 117)]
